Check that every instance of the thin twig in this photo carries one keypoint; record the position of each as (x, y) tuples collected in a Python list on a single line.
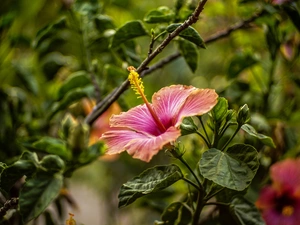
[(102, 106)]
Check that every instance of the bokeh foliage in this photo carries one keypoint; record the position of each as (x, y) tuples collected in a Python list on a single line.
[(54, 54)]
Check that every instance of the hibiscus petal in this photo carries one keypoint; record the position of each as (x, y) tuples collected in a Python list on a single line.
[(138, 119), (267, 198), (169, 100), (200, 101), (144, 148), (285, 174), (117, 138)]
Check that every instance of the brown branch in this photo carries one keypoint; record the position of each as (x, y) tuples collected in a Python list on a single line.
[(108, 100), (9, 204), (114, 95)]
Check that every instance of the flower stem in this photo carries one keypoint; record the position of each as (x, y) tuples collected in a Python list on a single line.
[(227, 143), (191, 183), (217, 203), (190, 169), (207, 138), (199, 207), (206, 141)]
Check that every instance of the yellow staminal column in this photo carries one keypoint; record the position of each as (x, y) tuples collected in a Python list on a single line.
[(137, 85)]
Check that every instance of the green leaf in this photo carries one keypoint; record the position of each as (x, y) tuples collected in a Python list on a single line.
[(219, 112), (26, 165), (53, 146), (264, 139), (161, 15), (190, 54), (233, 169), (103, 23), (151, 180), (128, 31), (49, 30), (189, 34), (37, 193), (52, 163), (239, 63), (91, 153), (176, 214), (245, 212), (75, 80), (71, 97)]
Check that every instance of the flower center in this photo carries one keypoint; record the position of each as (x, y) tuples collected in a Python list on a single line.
[(287, 210), (137, 85)]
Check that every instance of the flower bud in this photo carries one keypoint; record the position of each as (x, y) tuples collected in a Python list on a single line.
[(243, 115), (188, 126), (67, 122), (230, 114), (219, 112)]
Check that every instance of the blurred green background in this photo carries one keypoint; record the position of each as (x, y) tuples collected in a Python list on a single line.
[(43, 42)]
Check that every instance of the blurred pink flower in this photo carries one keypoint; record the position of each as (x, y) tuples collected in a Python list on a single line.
[(145, 129), (280, 202), (280, 2)]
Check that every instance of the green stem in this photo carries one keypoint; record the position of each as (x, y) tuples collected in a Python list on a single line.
[(206, 141), (227, 143), (214, 194), (199, 207), (224, 129), (190, 169), (207, 138), (191, 183), (216, 136), (217, 203)]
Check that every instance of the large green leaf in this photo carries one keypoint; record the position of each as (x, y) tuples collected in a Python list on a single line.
[(190, 54), (233, 169), (128, 31), (245, 212), (26, 165), (151, 180), (75, 80), (37, 193), (161, 15), (189, 34), (53, 146), (177, 214), (264, 139)]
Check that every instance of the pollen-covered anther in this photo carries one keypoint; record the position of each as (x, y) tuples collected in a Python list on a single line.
[(136, 82)]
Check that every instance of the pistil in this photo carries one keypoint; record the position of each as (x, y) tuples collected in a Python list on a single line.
[(137, 85)]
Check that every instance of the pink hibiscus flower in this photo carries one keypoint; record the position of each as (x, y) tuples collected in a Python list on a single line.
[(280, 202), (145, 129)]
